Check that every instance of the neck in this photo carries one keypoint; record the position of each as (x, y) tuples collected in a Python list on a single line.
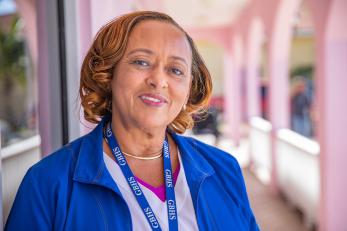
[(139, 141)]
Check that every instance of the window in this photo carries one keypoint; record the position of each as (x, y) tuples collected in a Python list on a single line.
[(18, 85)]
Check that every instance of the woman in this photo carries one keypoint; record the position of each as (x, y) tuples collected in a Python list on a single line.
[(141, 81)]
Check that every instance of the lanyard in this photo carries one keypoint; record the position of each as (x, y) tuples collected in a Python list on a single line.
[(134, 186)]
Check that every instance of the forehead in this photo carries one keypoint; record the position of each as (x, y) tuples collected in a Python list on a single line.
[(153, 34)]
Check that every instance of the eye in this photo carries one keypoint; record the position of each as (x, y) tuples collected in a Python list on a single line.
[(140, 62), (176, 71)]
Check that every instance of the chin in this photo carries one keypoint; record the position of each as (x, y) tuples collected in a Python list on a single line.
[(153, 124)]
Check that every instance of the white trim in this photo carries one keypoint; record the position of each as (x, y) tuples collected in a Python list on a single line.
[(20, 147), (260, 124), (309, 146)]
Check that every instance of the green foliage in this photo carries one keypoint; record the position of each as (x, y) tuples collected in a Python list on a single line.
[(304, 71), (12, 53), (13, 82)]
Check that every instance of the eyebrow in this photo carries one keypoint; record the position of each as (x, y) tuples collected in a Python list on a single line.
[(144, 50), (179, 58), (150, 52)]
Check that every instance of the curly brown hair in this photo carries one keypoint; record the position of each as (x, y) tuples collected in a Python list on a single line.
[(107, 50)]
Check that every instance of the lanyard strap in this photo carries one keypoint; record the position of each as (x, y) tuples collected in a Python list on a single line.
[(170, 190), (136, 189)]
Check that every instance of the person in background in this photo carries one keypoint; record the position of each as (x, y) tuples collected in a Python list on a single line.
[(141, 82), (300, 108)]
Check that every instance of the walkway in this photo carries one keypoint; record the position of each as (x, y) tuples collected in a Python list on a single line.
[(272, 212)]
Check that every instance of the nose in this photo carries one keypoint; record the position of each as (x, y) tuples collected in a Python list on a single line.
[(157, 78)]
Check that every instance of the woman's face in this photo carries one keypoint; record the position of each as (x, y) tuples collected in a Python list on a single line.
[(151, 82)]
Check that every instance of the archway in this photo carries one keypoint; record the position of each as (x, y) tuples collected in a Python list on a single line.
[(256, 70), (301, 73)]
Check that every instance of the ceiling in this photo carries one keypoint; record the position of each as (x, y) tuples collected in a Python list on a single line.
[(199, 13), (188, 13)]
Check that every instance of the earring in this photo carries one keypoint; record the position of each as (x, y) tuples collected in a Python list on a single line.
[(184, 107)]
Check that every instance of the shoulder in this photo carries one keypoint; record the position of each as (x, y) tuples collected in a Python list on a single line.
[(227, 172)]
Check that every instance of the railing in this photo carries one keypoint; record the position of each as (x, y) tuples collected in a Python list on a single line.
[(16, 160), (297, 165), (260, 148), (298, 175)]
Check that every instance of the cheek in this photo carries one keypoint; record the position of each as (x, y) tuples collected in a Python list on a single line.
[(125, 81), (115, 84), (182, 94), (186, 90)]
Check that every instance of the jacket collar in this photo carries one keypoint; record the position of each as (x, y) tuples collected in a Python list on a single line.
[(196, 167), (90, 167), (193, 160)]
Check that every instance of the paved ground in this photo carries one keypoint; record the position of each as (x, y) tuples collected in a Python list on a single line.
[(271, 212)]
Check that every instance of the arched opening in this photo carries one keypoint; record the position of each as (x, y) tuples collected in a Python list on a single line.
[(255, 68), (212, 123), (295, 158), (301, 73), (264, 80), (212, 54), (257, 78), (237, 92)]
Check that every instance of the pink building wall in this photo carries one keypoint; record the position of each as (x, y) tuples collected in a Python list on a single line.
[(330, 78), (275, 18), (332, 84)]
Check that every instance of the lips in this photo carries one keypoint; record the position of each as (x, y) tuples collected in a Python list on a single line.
[(155, 100)]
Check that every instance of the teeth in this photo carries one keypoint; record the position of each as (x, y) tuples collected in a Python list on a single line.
[(151, 99)]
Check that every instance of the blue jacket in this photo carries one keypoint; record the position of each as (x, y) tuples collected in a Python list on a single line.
[(72, 190)]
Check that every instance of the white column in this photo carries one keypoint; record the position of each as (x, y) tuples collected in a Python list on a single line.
[(254, 48), (228, 97), (279, 44), (235, 89)]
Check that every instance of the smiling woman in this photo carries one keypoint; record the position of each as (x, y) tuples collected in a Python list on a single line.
[(151, 82), (107, 50), (141, 81)]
